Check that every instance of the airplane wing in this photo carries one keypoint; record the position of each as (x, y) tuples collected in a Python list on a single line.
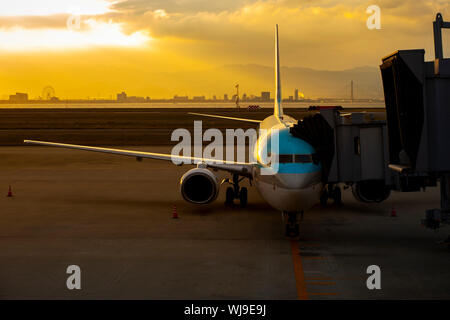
[(241, 168), (224, 117)]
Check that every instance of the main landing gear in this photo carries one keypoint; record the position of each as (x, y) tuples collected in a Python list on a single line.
[(235, 192), (331, 192), (292, 225)]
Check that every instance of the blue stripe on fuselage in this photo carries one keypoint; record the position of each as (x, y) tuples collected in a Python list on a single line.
[(289, 144), (298, 168)]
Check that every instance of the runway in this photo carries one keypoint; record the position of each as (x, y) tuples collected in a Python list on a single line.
[(112, 216), (120, 127)]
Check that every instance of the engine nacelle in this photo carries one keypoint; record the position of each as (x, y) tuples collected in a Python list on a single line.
[(371, 191), (199, 186)]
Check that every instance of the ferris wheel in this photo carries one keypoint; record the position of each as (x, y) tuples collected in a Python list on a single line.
[(48, 93)]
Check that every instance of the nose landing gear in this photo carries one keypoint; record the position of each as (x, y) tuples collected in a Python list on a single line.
[(235, 192)]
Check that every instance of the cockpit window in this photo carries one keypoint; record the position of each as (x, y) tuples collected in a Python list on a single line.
[(298, 158), (285, 158), (302, 158)]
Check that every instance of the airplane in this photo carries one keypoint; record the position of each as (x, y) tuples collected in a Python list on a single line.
[(289, 181)]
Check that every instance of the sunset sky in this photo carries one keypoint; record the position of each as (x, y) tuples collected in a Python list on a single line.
[(159, 48)]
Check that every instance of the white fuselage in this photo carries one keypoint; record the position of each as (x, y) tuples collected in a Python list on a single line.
[(287, 186)]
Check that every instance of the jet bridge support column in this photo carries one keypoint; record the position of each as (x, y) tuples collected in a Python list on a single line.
[(435, 217)]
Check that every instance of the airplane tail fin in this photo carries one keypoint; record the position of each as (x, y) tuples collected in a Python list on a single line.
[(278, 109)]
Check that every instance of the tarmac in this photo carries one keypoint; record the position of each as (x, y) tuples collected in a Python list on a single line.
[(112, 216)]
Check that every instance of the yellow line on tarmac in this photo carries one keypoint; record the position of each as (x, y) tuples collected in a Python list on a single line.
[(298, 271)]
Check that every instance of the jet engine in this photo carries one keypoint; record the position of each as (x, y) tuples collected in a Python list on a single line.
[(371, 191), (199, 186)]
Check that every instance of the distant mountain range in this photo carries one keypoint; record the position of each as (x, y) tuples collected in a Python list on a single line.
[(313, 83)]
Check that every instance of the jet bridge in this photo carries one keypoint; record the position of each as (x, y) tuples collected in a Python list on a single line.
[(405, 149), (417, 96)]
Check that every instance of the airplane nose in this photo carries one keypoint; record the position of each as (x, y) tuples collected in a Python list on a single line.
[(294, 180)]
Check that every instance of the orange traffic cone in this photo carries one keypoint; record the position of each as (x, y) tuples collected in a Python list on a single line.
[(174, 213), (393, 211), (9, 192)]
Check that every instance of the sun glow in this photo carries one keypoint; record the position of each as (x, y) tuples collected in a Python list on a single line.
[(98, 34), (50, 7), (79, 30)]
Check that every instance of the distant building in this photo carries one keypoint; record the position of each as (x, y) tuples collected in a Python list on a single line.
[(122, 97), (296, 95), (265, 96), (244, 97), (225, 97), (291, 98), (135, 99), (199, 98), (18, 97), (180, 98)]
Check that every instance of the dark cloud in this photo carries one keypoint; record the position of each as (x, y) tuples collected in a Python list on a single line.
[(202, 19), (180, 6), (242, 30)]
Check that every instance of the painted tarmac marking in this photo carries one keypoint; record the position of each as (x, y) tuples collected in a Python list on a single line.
[(301, 281), (298, 271), (316, 279)]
